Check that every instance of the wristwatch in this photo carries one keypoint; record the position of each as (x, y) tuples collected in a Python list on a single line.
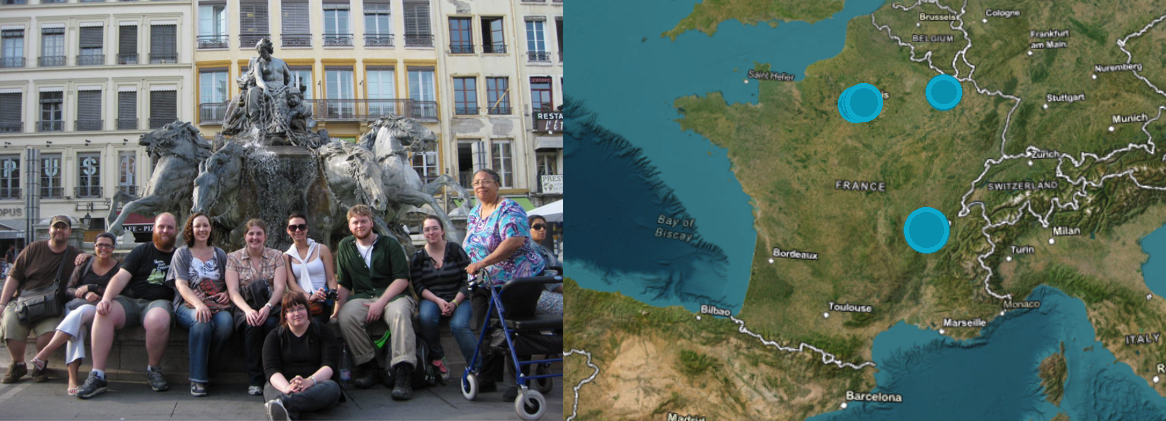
[(269, 306)]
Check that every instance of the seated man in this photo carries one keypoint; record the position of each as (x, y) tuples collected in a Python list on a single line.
[(146, 301), (375, 274)]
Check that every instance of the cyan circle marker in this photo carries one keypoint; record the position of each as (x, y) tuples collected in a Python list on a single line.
[(926, 230), (860, 103), (944, 92)]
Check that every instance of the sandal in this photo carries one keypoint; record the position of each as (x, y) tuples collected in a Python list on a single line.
[(73, 391)]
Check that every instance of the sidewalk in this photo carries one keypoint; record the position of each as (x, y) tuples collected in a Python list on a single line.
[(129, 398)]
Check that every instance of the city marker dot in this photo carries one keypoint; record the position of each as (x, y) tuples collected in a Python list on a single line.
[(1111, 129), (1030, 162), (985, 20), (825, 315), (1001, 313), (770, 260), (698, 317), (746, 81), (1009, 258), (1052, 240), (844, 403), (1094, 77), (916, 25), (1046, 106), (940, 331), (1156, 379), (1149, 297), (1030, 52)]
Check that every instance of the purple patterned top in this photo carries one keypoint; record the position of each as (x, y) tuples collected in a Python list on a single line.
[(483, 235)]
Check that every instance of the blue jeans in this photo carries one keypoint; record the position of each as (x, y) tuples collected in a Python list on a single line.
[(206, 339), (459, 324)]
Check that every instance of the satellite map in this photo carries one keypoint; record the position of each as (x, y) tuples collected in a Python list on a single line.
[(867, 210)]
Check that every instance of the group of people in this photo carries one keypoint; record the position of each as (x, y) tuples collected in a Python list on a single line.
[(281, 302)]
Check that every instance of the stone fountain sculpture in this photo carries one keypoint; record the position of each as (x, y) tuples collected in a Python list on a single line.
[(270, 105), (178, 149)]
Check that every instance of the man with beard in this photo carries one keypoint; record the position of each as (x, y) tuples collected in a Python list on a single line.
[(136, 295), (376, 275), (37, 267)]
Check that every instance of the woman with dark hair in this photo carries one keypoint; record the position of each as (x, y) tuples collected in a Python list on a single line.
[(86, 287), (256, 280), (551, 301), (299, 358), (197, 271), (438, 271), (310, 269)]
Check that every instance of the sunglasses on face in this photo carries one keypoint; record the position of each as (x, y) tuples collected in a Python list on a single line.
[(538, 226), (300, 227)]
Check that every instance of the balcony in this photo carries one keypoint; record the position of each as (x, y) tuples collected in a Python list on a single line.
[(87, 125), (461, 48), (11, 126), (212, 113), (52, 192), (163, 58), (539, 57), (9, 193), (495, 48), (500, 110), (418, 40), (127, 124), (12, 62), (50, 125), (158, 122), (88, 191), (368, 109), (127, 58), (91, 60), (378, 40), (210, 42), (466, 110), (251, 40), (424, 110), (337, 40), (51, 61), (130, 190), (296, 40)]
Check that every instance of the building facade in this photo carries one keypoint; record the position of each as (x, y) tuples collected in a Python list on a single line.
[(80, 81)]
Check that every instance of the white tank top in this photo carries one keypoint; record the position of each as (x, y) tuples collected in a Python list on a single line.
[(315, 268)]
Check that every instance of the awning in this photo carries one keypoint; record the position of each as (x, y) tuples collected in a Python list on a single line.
[(524, 202), (11, 229), (548, 143), (552, 211)]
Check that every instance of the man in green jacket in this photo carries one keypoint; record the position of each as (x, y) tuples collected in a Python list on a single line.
[(374, 273)]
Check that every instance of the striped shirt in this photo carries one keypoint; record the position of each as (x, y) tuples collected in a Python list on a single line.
[(444, 282)]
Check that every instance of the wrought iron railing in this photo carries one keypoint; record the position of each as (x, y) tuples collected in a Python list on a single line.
[(130, 190), (206, 42), (366, 109), (127, 124), (296, 40), (127, 58), (378, 40), (50, 125), (52, 192), (250, 40), (495, 48), (90, 59), (9, 193), (500, 110), (461, 48), (466, 110), (425, 110), (539, 56), (158, 122), (337, 40), (51, 61), (88, 191), (82, 125), (418, 40), (12, 62), (163, 58), (11, 126), (212, 113)]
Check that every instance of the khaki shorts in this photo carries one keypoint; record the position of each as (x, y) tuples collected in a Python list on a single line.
[(136, 309), (12, 328)]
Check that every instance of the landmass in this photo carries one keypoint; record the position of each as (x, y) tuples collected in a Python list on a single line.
[(707, 14), (1052, 373)]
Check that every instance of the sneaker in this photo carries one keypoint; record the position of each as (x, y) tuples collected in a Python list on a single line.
[(197, 389), (275, 410), (254, 390), (156, 381), (40, 371), (15, 372), (93, 386), (440, 364), (403, 386)]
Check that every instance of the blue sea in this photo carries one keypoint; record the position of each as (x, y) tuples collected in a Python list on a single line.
[(1154, 270)]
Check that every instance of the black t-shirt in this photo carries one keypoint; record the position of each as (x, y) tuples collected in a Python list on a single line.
[(148, 266), (292, 356)]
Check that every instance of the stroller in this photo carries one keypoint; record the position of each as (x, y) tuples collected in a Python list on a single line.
[(518, 337)]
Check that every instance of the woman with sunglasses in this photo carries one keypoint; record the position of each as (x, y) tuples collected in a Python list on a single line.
[(198, 272), (86, 286), (438, 271), (551, 301), (299, 358), (310, 270)]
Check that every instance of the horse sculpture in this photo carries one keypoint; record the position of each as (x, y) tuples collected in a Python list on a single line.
[(391, 139), (178, 148)]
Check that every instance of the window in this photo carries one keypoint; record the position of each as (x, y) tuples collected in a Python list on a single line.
[(425, 163), (465, 95), (303, 75), (541, 98), (50, 176), (11, 112), (559, 33), (336, 32), (382, 93), (252, 23), (89, 174), (13, 48), (127, 44), (460, 41), (471, 156), (340, 93), (52, 47), (502, 164), (163, 44), (297, 31), (378, 30), (10, 177), (163, 108), (536, 45), (15, 1), (417, 29), (423, 92), (127, 110), (51, 112), (498, 95), (492, 39), (547, 164), (88, 110), (212, 25), (127, 164), (212, 96), (92, 44)]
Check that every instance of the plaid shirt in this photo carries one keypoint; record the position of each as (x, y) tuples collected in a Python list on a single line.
[(240, 262)]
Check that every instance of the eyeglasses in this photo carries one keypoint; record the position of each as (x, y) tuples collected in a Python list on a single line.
[(296, 308), (300, 227), (538, 226), (103, 246), (482, 182), (432, 229)]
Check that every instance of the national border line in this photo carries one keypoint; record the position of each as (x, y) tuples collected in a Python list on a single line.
[(575, 403)]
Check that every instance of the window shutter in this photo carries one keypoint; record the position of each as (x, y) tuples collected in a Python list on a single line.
[(127, 105), (92, 37), (10, 107), (253, 18), (164, 104), (128, 40), (375, 8), (336, 5), (295, 18), (89, 105), (417, 18), (162, 39)]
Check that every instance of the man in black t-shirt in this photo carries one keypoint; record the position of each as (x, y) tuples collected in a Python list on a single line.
[(137, 295)]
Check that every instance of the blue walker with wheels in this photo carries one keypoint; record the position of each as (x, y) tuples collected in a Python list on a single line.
[(519, 337)]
